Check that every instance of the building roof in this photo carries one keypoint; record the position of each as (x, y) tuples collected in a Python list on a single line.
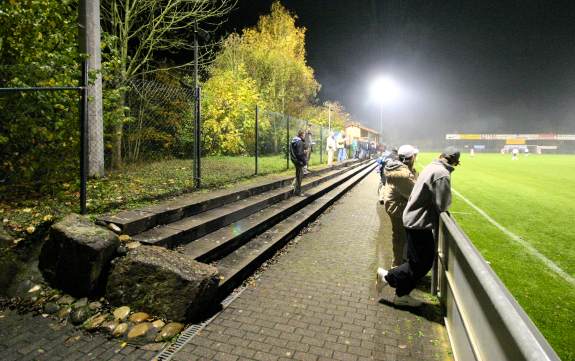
[(360, 126)]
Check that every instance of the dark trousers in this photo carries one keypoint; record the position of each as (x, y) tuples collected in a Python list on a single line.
[(297, 180), (420, 256)]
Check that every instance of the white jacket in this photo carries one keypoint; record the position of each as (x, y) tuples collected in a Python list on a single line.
[(330, 144)]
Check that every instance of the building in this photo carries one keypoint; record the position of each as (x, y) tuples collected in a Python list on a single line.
[(355, 130)]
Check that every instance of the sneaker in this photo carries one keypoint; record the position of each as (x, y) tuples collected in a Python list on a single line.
[(380, 281), (407, 300)]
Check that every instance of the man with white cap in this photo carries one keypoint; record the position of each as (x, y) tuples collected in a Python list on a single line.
[(430, 196), (400, 178)]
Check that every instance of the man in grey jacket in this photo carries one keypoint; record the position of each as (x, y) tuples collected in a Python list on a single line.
[(430, 196)]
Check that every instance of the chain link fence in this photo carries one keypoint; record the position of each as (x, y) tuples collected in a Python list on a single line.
[(149, 144), (39, 132)]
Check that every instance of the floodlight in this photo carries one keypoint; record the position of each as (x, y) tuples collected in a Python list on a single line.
[(384, 90)]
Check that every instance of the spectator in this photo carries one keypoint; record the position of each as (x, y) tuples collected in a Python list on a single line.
[(400, 175), (354, 149), (298, 158), (341, 147), (308, 144), (382, 161), (430, 196), (330, 148)]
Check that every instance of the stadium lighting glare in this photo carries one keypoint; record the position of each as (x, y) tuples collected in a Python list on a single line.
[(384, 90)]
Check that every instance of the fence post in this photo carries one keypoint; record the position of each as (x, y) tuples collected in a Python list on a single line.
[(320, 145), (197, 135), (287, 139), (257, 135), (83, 136)]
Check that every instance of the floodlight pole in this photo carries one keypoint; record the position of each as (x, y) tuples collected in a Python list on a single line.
[(381, 121), (329, 117)]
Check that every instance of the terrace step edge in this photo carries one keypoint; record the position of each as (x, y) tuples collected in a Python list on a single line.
[(223, 241), (237, 271), (136, 221), (191, 228)]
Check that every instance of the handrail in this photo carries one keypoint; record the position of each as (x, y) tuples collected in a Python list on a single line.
[(483, 320)]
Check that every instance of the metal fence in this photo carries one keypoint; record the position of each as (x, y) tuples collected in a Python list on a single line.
[(483, 320), (42, 143), (151, 146)]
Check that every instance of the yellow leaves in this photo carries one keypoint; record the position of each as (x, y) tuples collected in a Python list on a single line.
[(30, 229)]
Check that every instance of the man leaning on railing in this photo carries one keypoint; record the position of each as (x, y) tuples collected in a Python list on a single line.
[(430, 196)]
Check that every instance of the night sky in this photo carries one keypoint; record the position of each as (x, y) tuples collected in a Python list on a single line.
[(467, 66)]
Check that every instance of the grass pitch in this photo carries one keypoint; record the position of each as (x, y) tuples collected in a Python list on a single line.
[(534, 198)]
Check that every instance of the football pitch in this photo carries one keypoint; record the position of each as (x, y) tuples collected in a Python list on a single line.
[(520, 214)]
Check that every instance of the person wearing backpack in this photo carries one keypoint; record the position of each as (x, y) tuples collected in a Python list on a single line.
[(299, 160)]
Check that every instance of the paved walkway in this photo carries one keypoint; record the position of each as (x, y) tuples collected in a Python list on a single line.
[(318, 302), (315, 302)]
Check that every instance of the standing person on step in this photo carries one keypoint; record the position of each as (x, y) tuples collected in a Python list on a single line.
[(400, 176), (330, 148), (341, 148), (308, 144), (430, 196), (299, 160)]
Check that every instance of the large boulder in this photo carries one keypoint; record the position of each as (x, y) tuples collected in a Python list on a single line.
[(77, 256), (163, 283)]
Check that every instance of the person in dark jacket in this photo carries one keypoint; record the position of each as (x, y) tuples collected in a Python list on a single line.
[(430, 196), (299, 160)]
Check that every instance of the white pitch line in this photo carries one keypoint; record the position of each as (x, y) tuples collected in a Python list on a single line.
[(534, 252)]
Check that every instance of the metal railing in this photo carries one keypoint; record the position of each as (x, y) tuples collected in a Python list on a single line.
[(483, 320)]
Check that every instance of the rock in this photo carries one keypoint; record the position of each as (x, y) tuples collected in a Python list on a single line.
[(77, 255), (51, 308), (139, 317), (169, 331), (163, 283), (35, 288), (133, 245), (122, 251), (109, 326), (121, 313), (64, 312), (158, 324), (94, 305), (82, 302), (120, 330), (79, 315), (124, 238), (139, 330), (155, 347), (114, 228), (94, 322), (65, 300)]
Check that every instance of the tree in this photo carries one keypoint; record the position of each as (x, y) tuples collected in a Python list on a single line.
[(39, 133), (273, 54), (230, 98), (141, 30)]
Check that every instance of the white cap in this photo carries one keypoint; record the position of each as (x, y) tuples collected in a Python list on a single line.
[(407, 151)]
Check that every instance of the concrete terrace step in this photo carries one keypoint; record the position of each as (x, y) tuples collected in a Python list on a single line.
[(139, 220), (198, 225), (238, 265), (219, 243)]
